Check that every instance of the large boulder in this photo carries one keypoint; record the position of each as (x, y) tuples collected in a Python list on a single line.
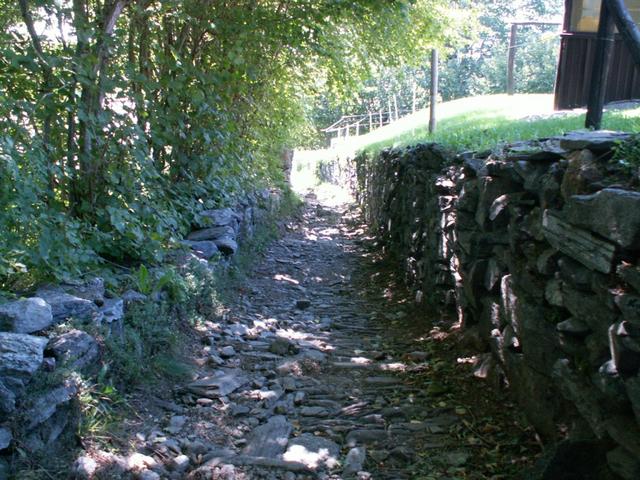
[(20, 357), (26, 315), (612, 212)]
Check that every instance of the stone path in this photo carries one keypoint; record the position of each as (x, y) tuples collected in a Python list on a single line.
[(299, 379)]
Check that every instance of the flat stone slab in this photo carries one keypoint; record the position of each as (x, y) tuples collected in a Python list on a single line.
[(598, 141), (270, 439), (222, 383), (579, 244)]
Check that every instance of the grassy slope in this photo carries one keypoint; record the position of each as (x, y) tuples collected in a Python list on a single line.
[(478, 123)]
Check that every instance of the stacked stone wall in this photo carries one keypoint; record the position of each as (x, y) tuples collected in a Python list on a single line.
[(536, 246)]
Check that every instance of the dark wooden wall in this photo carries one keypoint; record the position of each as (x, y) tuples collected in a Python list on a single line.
[(574, 72)]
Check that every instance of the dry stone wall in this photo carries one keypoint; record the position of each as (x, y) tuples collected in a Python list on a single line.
[(38, 341), (537, 247)]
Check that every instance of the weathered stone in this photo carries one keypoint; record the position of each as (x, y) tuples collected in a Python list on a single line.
[(490, 188), (227, 352), (227, 245), (26, 315), (547, 261), (549, 194), (20, 358), (203, 249), (270, 439), (578, 244), (581, 175), (92, 289), (589, 308), (354, 462), (7, 399), (75, 349), (575, 274), (6, 437), (612, 213), (630, 274), (212, 234), (574, 326), (45, 405), (312, 451), (221, 217), (131, 297), (283, 346), (65, 305), (222, 383), (598, 141), (314, 412), (624, 351), (629, 305), (303, 303), (366, 436), (581, 394), (84, 468), (112, 310), (553, 293), (610, 383)]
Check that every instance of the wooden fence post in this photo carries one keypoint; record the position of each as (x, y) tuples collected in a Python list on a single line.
[(434, 90), (600, 71), (511, 59)]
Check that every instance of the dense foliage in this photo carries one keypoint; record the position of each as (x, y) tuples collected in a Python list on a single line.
[(473, 60), (121, 119)]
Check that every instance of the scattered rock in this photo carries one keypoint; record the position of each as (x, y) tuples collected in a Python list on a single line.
[(84, 468), (313, 451), (283, 346), (176, 423), (270, 439), (303, 304), (354, 462), (222, 383), (227, 352)]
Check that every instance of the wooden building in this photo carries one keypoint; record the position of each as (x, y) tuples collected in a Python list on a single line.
[(577, 47)]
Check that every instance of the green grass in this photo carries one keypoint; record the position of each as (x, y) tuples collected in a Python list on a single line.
[(480, 123)]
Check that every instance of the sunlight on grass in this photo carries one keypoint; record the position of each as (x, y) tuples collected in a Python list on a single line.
[(482, 122)]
